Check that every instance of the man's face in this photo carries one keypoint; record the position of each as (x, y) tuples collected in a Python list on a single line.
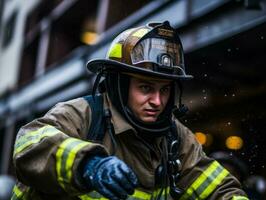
[(148, 98)]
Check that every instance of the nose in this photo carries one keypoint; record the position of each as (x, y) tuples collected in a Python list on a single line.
[(155, 99)]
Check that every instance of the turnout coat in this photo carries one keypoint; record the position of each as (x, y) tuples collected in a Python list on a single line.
[(49, 151)]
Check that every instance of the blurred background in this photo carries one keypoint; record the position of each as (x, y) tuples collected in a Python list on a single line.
[(45, 44)]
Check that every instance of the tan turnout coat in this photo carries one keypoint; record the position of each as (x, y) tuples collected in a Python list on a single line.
[(49, 150)]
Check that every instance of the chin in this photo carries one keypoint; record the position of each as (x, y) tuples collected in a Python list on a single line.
[(149, 119)]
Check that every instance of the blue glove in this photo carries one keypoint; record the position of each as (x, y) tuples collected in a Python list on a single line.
[(110, 177)]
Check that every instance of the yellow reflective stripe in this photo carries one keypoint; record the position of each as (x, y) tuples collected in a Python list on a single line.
[(65, 157), (239, 198), (34, 137), (206, 182), (138, 195), (141, 195), (214, 184), (199, 181), (141, 32), (116, 51), (19, 194), (92, 195), (156, 193)]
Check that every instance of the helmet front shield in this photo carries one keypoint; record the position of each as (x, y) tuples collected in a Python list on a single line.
[(158, 55)]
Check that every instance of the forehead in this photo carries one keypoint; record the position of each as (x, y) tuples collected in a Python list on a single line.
[(155, 82), (148, 78)]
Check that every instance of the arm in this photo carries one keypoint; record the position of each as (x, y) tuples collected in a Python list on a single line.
[(49, 150), (202, 177)]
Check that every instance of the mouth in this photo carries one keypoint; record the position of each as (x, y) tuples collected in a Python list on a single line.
[(151, 112)]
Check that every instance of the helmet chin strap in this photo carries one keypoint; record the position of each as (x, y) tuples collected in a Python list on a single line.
[(96, 82), (182, 109)]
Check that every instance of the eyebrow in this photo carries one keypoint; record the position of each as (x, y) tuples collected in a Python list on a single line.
[(148, 82)]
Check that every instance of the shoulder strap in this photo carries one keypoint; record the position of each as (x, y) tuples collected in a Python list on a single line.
[(174, 163), (97, 126)]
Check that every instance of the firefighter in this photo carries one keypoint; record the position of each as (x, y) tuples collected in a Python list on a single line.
[(125, 142)]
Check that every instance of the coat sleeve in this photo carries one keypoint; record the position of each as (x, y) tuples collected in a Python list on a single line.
[(49, 150), (202, 177)]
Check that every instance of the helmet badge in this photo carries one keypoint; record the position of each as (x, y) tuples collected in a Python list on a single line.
[(166, 60)]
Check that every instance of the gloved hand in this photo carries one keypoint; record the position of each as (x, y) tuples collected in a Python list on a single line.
[(109, 176)]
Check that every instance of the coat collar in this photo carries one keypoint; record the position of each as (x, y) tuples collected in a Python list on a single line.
[(119, 122)]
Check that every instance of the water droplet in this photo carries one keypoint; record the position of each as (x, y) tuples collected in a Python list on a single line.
[(262, 37), (229, 50), (203, 91), (204, 97), (225, 95), (229, 123), (233, 95), (205, 75)]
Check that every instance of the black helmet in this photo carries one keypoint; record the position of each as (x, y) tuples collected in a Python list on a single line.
[(153, 51)]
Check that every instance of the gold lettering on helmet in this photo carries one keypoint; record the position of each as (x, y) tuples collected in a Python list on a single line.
[(165, 32)]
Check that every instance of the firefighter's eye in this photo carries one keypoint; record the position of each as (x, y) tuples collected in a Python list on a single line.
[(145, 88), (165, 90)]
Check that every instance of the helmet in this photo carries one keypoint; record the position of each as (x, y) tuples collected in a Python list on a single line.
[(153, 51)]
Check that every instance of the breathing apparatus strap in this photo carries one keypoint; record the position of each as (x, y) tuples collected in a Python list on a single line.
[(100, 120), (167, 173), (173, 141), (182, 109), (173, 161)]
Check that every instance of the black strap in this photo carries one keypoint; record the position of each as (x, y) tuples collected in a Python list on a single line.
[(97, 126), (174, 164)]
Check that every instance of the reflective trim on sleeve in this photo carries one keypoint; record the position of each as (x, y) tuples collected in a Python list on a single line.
[(240, 198), (18, 194), (92, 196), (138, 195), (65, 157), (116, 51), (34, 137), (206, 183)]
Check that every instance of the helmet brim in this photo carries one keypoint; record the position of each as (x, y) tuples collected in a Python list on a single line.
[(96, 65)]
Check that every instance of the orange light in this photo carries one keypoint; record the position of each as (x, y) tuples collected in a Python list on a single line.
[(201, 137), (234, 142), (89, 37)]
